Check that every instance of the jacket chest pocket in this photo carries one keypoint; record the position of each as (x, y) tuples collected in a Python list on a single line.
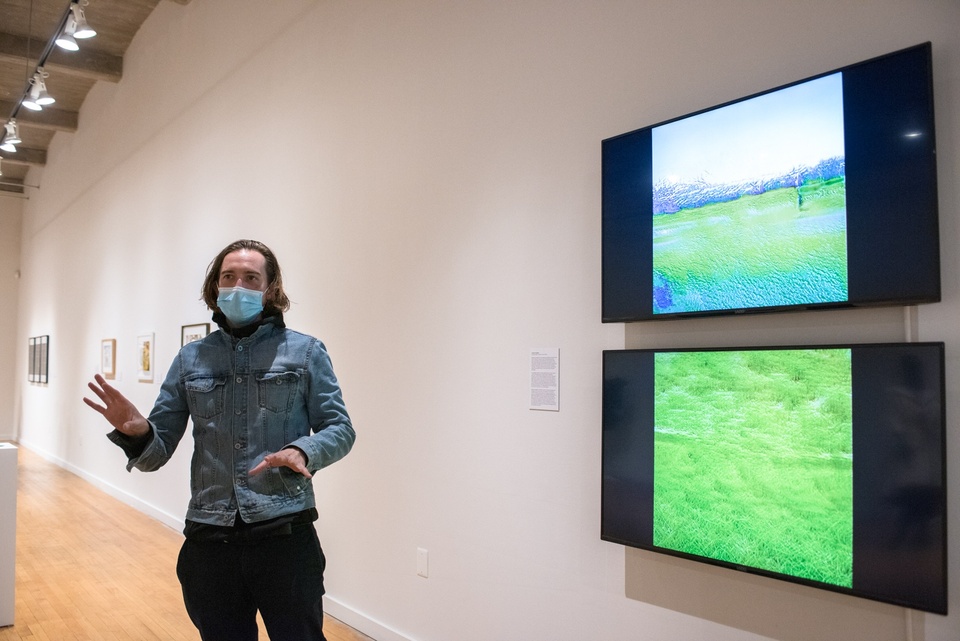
[(277, 390), (205, 396)]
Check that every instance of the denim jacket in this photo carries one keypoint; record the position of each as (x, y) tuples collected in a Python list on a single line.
[(248, 397)]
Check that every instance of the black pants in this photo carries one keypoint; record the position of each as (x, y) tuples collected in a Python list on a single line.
[(226, 583)]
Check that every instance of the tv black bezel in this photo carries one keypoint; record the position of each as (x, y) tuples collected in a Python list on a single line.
[(939, 607), (627, 274)]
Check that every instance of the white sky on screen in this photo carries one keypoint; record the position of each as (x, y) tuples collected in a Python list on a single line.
[(762, 137)]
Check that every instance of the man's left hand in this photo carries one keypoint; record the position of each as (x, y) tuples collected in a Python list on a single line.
[(290, 457)]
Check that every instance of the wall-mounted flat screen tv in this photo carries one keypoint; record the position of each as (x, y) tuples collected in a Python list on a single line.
[(820, 465), (818, 194)]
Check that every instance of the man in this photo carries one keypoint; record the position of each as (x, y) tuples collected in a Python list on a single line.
[(267, 413)]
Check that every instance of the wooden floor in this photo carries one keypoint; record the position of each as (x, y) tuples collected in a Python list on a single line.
[(90, 568)]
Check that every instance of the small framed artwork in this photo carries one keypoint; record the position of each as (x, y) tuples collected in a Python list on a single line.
[(190, 333), (32, 359), (108, 358), (38, 359), (145, 349)]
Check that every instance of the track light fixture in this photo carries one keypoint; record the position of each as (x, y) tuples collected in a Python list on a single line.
[(75, 27), (38, 98), (13, 132), (12, 137), (32, 101), (65, 41), (81, 29)]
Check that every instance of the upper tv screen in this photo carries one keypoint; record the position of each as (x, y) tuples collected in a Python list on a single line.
[(817, 194), (819, 465)]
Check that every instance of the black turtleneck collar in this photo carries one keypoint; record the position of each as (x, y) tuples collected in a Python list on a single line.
[(247, 330)]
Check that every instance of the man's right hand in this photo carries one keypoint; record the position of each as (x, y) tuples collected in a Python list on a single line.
[(119, 411)]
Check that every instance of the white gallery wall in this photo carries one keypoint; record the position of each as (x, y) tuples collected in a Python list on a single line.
[(429, 175)]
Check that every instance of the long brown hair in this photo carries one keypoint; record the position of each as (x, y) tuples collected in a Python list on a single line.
[(274, 298)]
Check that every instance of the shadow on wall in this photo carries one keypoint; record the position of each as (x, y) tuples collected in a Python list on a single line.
[(764, 606)]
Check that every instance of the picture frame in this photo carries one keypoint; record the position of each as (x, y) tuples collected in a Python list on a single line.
[(108, 358), (145, 354), (38, 359), (190, 333), (31, 359)]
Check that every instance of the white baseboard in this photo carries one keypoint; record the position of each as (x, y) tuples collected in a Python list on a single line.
[(359, 621)]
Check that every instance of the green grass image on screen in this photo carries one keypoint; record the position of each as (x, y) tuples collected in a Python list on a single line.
[(787, 246), (753, 461)]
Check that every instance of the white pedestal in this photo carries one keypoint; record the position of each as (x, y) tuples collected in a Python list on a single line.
[(8, 529)]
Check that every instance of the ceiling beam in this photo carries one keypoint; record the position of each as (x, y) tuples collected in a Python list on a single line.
[(11, 185), (50, 118), (23, 156), (87, 63)]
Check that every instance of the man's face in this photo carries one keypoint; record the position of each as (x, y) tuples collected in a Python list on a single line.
[(244, 268)]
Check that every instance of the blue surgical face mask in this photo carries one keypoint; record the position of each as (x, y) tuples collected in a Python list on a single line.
[(240, 305)]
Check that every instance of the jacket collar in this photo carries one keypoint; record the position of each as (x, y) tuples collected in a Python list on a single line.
[(247, 330)]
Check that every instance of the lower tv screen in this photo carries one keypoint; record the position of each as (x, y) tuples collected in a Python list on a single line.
[(820, 465)]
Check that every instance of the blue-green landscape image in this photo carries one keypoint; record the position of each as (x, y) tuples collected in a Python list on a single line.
[(749, 203), (753, 459)]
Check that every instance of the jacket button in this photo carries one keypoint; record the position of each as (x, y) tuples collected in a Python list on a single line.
[(239, 379), (237, 446)]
